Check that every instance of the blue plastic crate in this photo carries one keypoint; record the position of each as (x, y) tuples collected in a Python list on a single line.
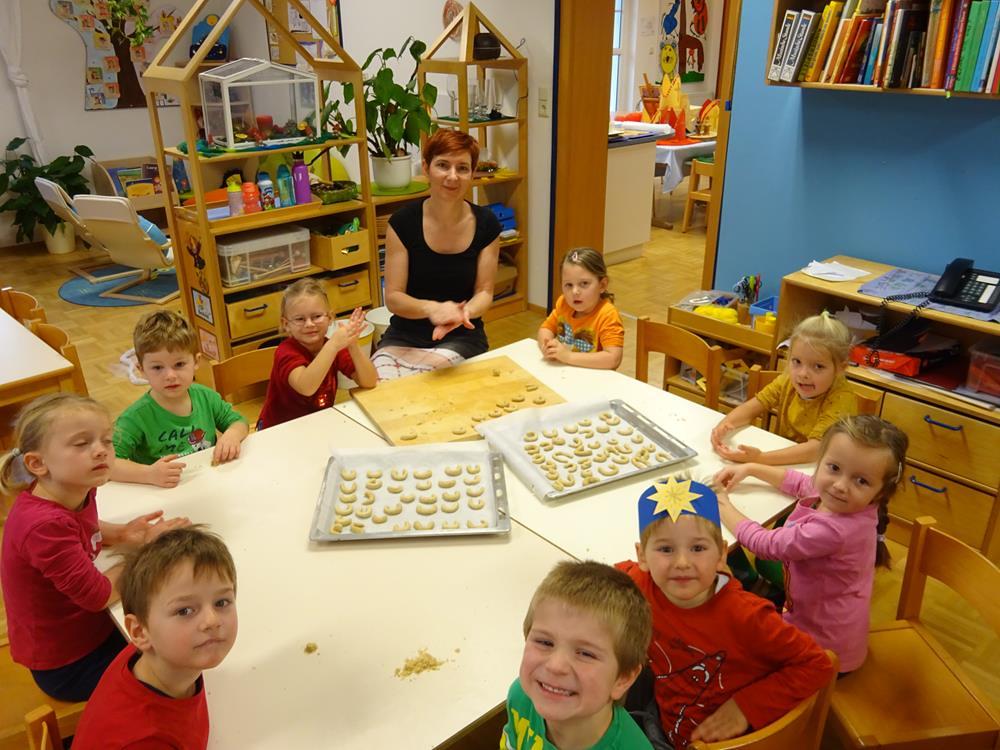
[(769, 305)]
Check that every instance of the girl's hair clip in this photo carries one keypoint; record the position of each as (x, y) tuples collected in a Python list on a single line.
[(574, 257), (15, 452)]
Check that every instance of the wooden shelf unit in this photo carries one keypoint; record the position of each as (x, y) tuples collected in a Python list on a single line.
[(780, 6), (952, 471), (231, 320)]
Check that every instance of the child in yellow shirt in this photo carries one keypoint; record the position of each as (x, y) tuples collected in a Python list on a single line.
[(809, 396), (584, 329)]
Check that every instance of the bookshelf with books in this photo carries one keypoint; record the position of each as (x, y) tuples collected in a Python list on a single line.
[(924, 47)]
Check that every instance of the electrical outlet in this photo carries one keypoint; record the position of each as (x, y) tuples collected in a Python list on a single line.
[(544, 95)]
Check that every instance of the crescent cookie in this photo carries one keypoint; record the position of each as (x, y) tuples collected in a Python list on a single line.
[(449, 525), (348, 487), (446, 483), (428, 499), (422, 474), (483, 524), (369, 498), (374, 474), (399, 474), (392, 510), (408, 436), (608, 471), (471, 480), (475, 503), (473, 468), (395, 489), (496, 413), (423, 525), (530, 437), (357, 528), (427, 510), (348, 474), (424, 484), (407, 497), (450, 496), (453, 471), (365, 511), (404, 526), (373, 484), (342, 510), (348, 498), (378, 518), (517, 398)]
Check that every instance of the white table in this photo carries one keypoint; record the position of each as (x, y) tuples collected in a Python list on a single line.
[(28, 366), (675, 156), (603, 525), (367, 605)]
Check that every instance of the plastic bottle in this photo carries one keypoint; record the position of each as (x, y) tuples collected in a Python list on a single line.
[(300, 178), (235, 195), (286, 191), (268, 199), (251, 198)]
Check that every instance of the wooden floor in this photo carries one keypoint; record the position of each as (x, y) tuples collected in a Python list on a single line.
[(670, 268)]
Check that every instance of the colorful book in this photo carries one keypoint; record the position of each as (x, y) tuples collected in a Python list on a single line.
[(868, 71), (970, 45), (911, 24), (986, 46), (855, 55), (993, 79), (850, 35), (835, 47), (781, 45), (896, 47), (941, 43), (887, 21), (805, 27), (927, 64), (813, 51), (955, 47), (828, 33)]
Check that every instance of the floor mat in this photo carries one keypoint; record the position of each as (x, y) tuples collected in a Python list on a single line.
[(79, 291)]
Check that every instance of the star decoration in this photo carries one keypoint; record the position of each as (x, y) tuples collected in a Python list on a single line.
[(674, 497)]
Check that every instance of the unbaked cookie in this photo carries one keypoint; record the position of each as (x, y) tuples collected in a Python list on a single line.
[(348, 474)]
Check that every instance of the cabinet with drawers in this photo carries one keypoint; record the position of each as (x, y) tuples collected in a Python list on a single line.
[(953, 463)]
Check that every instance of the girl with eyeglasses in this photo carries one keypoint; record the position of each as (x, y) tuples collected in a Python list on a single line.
[(304, 374)]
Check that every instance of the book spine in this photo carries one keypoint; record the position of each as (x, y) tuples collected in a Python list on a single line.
[(887, 21), (837, 43), (941, 44), (927, 66), (896, 50), (970, 46), (978, 82), (993, 79), (796, 53), (817, 39), (781, 45), (845, 48), (852, 63), (955, 49), (826, 45), (913, 80), (868, 69)]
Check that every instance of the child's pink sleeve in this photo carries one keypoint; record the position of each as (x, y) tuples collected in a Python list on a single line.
[(55, 551), (798, 485)]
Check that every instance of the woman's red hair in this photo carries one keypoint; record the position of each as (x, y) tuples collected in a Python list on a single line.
[(447, 141)]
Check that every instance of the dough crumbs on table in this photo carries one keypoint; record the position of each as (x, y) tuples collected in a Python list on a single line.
[(422, 662), (311, 648)]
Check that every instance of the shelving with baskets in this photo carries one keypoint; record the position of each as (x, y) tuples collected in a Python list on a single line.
[(942, 48), (233, 300)]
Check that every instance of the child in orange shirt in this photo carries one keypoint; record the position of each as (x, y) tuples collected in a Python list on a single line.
[(584, 329)]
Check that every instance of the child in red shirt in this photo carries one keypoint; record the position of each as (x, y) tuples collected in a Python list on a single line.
[(55, 596), (723, 661), (304, 374), (179, 598)]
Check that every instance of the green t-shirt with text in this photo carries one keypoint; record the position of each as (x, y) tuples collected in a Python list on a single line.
[(146, 432), (525, 729)]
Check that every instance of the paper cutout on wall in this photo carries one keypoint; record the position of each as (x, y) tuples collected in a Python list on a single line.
[(113, 68), (683, 26)]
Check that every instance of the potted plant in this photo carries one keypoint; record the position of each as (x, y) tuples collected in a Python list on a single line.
[(395, 115), (24, 200)]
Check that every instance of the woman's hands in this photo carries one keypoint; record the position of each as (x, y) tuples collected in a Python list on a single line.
[(447, 316)]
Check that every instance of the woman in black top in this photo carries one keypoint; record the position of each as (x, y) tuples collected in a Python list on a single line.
[(440, 263)]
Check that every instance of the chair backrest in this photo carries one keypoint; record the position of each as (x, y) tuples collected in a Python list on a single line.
[(703, 168), (58, 339), (679, 345), (801, 728), (935, 554), (115, 224), (21, 306), (244, 377), (62, 205), (43, 729)]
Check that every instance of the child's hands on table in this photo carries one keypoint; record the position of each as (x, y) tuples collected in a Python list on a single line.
[(167, 471), (730, 476), (145, 529), (227, 448), (740, 454), (556, 350)]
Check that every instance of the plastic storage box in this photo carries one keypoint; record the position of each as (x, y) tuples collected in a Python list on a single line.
[(261, 254), (984, 369)]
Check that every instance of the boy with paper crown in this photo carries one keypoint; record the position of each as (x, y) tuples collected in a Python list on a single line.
[(722, 660)]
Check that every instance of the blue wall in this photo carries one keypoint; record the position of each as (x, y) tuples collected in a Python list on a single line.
[(902, 179)]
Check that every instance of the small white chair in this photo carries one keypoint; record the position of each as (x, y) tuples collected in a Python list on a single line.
[(129, 240)]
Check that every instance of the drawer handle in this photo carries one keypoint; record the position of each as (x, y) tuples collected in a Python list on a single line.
[(252, 311), (935, 490), (953, 428), (345, 284), (351, 249)]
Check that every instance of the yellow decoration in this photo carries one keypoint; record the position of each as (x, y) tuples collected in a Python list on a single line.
[(725, 314), (674, 497), (668, 59)]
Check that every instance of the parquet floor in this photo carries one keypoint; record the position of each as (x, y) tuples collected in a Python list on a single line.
[(670, 268)]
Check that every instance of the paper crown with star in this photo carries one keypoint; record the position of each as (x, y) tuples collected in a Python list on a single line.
[(673, 498)]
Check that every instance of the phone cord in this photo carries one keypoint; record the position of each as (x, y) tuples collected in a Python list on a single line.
[(871, 351)]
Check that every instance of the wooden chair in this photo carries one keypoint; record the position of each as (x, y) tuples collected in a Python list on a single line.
[(696, 193), (869, 399), (910, 693), (21, 306), (20, 696), (43, 729), (57, 338), (242, 381), (801, 728), (679, 345)]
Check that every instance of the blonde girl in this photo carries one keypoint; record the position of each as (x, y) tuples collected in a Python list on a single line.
[(584, 329), (809, 396), (304, 374), (55, 596), (835, 536)]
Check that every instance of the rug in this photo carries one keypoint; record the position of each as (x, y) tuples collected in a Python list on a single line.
[(79, 291)]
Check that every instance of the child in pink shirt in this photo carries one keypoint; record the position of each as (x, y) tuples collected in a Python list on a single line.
[(835, 536)]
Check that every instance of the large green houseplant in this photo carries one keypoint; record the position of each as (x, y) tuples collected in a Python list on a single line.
[(17, 181), (396, 115)]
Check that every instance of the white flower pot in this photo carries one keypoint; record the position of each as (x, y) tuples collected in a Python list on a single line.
[(62, 241), (392, 173)]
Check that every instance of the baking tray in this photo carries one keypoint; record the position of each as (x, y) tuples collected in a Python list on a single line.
[(397, 485), (587, 430)]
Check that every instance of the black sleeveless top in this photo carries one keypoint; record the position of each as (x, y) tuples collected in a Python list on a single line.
[(439, 277)]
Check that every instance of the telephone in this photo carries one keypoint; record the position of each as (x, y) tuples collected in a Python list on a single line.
[(962, 285)]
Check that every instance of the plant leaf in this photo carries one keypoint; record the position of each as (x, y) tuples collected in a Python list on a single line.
[(15, 144), (417, 49), (382, 87), (348, 93), (369, 59), (84, 151), (394, 126), (429, 94), (388, 54)]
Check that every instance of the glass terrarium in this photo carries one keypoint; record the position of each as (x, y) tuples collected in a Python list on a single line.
[(250, 103)]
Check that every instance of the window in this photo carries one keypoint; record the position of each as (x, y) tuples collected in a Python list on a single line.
[(616, 55), (623, 58)]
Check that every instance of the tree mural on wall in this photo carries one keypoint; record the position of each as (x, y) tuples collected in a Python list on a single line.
[(125, 14)]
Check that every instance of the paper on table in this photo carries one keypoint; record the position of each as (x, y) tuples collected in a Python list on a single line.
[(833, 271)]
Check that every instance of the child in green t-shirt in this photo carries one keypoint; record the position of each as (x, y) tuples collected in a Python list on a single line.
[(586, 635), (176, 416)]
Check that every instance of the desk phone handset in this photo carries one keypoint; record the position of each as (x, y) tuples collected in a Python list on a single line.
[(962, 285)]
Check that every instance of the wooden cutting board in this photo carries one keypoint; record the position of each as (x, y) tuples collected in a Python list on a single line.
[(445, 405)]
